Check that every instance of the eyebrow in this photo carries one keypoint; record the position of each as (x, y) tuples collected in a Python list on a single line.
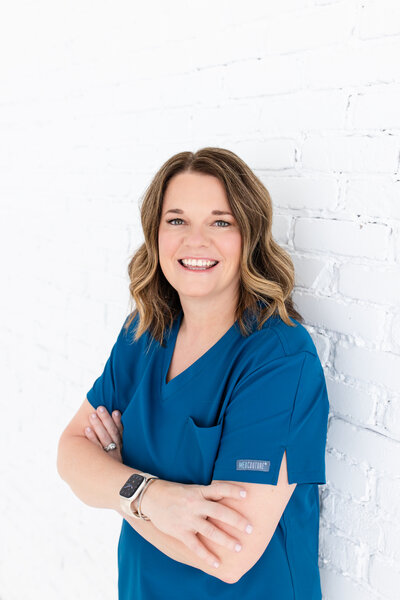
[(179, 211)]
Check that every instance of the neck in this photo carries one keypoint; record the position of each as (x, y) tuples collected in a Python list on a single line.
[(202, 323)]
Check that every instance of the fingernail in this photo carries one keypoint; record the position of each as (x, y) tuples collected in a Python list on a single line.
[(216, 564), (249, 528), (88, 430), (93, 415), (238, 547), (243, 494), (101, 409), (116, 413)]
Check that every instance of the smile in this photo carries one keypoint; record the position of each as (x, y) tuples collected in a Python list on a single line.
[(198, 269)]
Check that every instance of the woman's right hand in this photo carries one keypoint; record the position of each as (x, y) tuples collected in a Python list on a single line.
[(181, 510)]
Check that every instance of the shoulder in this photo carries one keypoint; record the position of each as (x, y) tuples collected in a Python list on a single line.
[(292, 339), (126, 342), (275, 340)]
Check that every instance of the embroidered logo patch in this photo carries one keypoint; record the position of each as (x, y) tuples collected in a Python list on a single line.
[(249, 464)]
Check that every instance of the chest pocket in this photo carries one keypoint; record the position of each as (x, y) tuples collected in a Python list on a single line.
[(198, 450)]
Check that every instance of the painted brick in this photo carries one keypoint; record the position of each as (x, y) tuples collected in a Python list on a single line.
[(395, 331), (353, 64), (392, 416), (345, 317), (267, 75), (261, 9), (372, 366), (345, 238), (374, 196), (379, 18), (312, 273), (323, 345), (356, 405), (220, 118), (365, 446), (391, 532), (355, 282), (358, 521), (340, 553), (301, 192), (385, 577), (303, 111), (346, 478), (338, 586), (388, 494), (280, 228), (272, 154), (312, 28), (354, 153), (377, 108)]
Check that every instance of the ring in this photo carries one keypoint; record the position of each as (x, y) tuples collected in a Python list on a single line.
[(111, 446)]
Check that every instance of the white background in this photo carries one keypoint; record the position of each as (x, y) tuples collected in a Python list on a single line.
[(94, 96)]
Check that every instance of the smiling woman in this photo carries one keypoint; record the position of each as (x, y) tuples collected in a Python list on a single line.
[(207, 294), (214, 394)]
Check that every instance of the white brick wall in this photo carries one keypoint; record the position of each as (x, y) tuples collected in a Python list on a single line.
[(93, 98)]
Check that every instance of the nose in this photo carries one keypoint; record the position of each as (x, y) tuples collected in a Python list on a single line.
[(196, 236)]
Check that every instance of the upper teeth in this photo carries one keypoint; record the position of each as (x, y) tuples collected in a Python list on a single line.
[(192, 262)]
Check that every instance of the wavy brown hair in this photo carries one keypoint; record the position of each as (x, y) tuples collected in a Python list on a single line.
[(266, 269)]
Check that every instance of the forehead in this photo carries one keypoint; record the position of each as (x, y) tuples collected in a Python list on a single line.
[(192, 190)]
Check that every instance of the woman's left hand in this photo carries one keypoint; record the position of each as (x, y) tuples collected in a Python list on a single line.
[(104, 429)]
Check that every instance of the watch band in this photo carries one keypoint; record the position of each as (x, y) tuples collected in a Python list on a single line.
[(139, 514)]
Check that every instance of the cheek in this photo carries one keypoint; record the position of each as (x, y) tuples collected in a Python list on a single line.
[(232, 247), (167, 245)]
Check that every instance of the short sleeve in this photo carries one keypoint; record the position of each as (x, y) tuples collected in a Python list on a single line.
[(282, 405), (110, 389)]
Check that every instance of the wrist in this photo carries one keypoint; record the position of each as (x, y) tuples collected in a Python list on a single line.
[(149, 498), (132, 493)]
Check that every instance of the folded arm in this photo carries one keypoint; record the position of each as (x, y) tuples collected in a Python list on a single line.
[(96, 478)]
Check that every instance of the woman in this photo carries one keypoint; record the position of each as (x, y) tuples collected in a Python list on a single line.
[(212, 388)]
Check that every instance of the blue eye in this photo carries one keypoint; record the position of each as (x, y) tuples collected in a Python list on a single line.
[(218, 221), (177, 219)]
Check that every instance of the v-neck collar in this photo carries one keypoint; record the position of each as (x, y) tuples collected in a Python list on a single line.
[(174, 384)]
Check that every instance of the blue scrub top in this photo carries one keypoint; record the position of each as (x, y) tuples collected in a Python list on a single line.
[(230, 415)]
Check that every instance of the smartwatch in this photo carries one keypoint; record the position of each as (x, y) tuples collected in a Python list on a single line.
[(131, 490)]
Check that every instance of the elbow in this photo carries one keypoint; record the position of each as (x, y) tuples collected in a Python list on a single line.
[(223, 574), (232, 578), (236, 576), (62, 458)]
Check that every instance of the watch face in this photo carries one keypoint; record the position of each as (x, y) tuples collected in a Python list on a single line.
[(130, 487)]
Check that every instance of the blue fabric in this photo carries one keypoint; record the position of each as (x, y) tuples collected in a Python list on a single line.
[(230, 415)]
